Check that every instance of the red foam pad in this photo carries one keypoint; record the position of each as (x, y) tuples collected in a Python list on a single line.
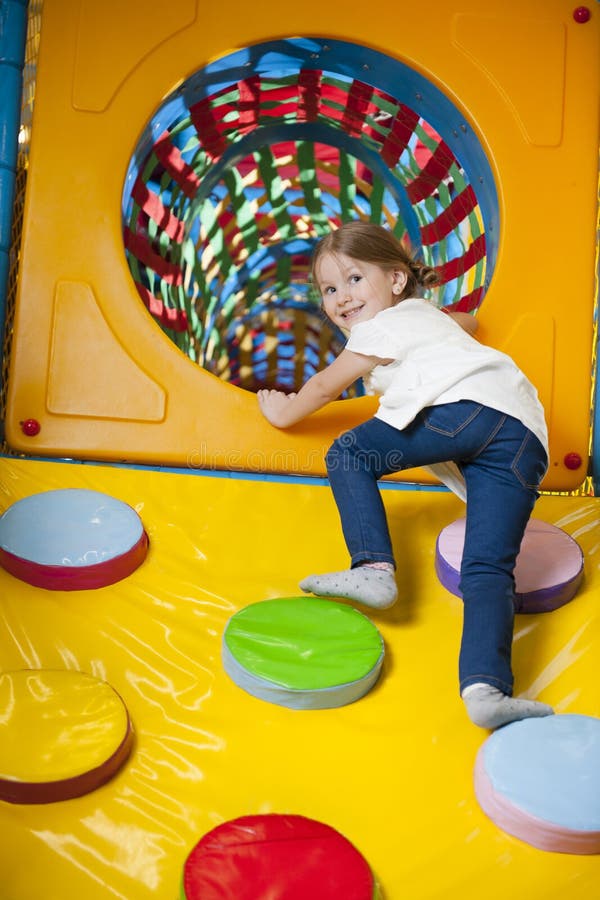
[(281, 857)]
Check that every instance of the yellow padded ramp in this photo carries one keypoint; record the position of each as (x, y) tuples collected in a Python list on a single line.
[(393, 772), (523, 77)]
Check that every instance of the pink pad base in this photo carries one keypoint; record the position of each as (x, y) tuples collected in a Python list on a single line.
[(76, 578), (528, 828), (548, 572)]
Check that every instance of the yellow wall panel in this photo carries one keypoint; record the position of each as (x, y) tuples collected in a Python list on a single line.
[(86, 360), (501, 46), (534, 109), (113, 37)]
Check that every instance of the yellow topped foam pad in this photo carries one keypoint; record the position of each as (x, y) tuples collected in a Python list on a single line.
[(62, 734)]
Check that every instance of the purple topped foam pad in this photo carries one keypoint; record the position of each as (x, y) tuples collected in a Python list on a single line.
[(548, 572)]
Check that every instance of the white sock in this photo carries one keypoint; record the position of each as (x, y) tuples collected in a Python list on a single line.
[(488, 707), (374, 587)]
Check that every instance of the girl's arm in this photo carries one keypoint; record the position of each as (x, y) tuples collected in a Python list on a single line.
[(284, 410), (466, 321)]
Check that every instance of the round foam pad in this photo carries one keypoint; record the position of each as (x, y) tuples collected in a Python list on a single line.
[(548, 572), (539, 780), (62, 734), (279, 857), (71, 539), (302, 652)]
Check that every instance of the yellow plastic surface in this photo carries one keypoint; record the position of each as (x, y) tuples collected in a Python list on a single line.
[(98, 374), (57, 724), (392, 772)]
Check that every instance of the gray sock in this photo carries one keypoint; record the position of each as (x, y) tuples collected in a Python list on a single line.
[(372, 587), (490, 708)]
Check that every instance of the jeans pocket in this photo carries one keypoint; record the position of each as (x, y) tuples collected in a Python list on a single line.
[(450, 418), (530, 463)]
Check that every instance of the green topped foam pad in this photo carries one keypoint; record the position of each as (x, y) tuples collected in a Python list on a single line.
[(302, 652)]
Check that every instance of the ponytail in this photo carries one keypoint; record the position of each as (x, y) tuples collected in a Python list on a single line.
[(420, 275)]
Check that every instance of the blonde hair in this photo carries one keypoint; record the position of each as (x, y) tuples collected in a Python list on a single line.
[(374, 244)]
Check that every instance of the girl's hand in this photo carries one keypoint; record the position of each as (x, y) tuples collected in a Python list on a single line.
[(284, 410), (274, 405)]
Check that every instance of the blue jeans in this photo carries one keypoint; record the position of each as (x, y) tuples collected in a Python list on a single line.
[(502, 463)]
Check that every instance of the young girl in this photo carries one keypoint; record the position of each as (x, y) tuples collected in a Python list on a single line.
[(446, 402)]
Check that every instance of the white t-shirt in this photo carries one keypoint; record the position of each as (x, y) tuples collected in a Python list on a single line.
[(436, 361)]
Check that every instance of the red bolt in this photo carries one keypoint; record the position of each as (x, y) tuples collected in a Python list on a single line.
[(30, 427), (572, 460), (582, 14)]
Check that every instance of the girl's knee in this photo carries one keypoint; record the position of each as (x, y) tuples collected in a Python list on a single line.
[(333, 456), (341, 449)]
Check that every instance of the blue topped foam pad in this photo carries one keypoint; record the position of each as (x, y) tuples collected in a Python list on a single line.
[(71, 539), (539, 780)]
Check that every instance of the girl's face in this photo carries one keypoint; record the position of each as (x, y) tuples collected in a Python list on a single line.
[(354, 291)]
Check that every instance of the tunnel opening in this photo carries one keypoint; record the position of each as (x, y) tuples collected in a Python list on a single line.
[(253, 158)]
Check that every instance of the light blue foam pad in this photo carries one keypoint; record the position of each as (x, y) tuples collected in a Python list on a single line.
[(72, 527), (539, 779)]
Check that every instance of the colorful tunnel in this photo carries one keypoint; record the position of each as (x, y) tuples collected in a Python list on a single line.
[(237, 175)]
